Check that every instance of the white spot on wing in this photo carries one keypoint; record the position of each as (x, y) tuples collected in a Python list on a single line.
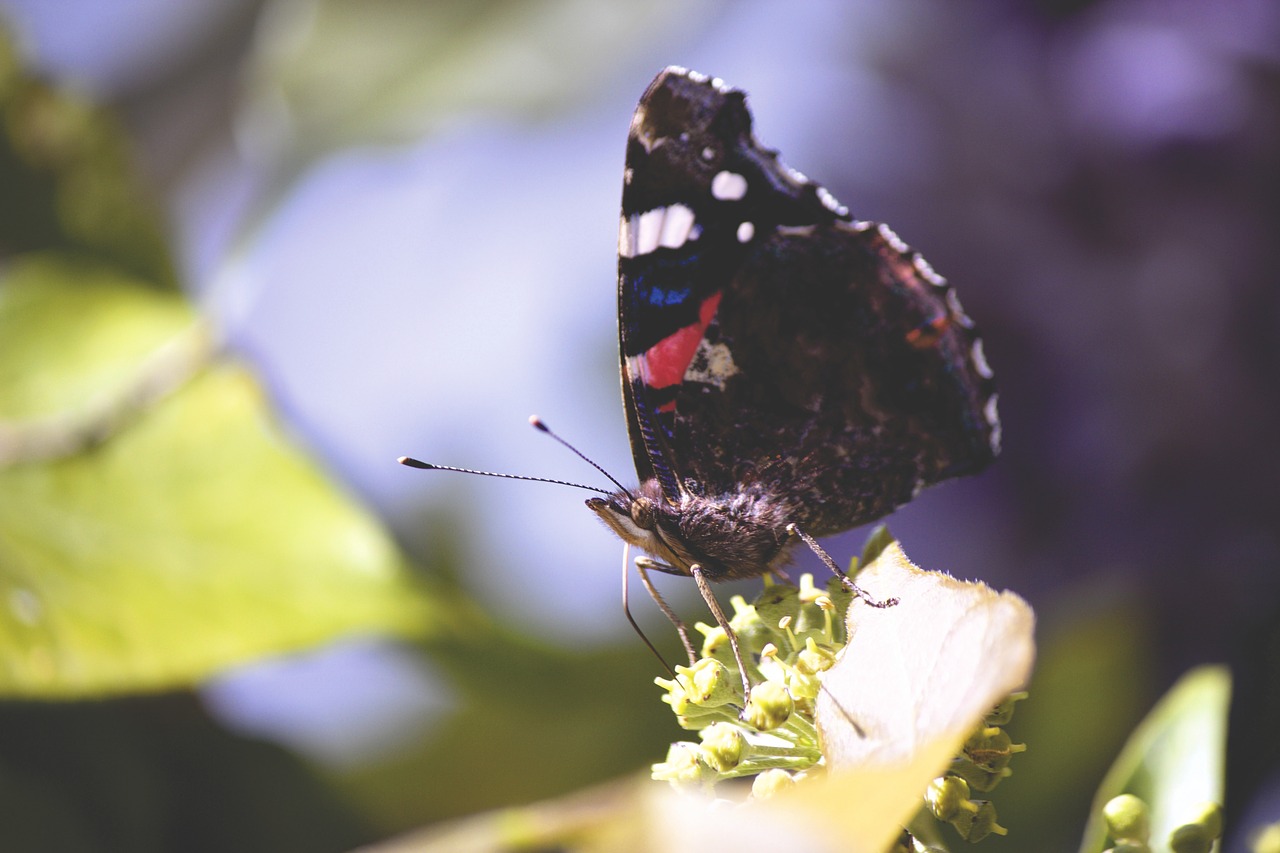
[(957, 310), (649, 230), (980, 360), (927, 272), (671, 227), (728, 186), (745, 232), (992, 414), (637, 368), (831, 203), (676, 226), (894, 241)]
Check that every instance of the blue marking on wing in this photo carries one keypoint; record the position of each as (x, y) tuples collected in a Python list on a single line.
[(660, 298)]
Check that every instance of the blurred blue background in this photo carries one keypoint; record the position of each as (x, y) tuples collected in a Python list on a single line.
[(1099, 179)]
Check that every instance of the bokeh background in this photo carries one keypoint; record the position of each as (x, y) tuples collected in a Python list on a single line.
[(403, 217)]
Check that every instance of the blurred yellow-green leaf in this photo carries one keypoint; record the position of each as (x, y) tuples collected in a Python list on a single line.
[(329, 73), (69, 183), (1091, 685), (190, 535), (75, 335), (1175, 760)]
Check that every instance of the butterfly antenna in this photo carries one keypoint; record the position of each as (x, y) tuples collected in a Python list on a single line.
[(410, 462), (536, 423)]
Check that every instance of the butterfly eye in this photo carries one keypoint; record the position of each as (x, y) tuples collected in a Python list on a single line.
[(644, 514)]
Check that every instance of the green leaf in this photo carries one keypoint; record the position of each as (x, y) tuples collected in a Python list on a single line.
[(76, 335), (1090, 687), (69, 183), (1175, 760), (191, 536), (329, 73)]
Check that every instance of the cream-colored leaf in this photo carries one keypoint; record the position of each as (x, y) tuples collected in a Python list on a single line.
[(911, 685), (929, 667)]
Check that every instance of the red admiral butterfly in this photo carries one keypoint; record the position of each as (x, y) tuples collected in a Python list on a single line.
[(787, 371)]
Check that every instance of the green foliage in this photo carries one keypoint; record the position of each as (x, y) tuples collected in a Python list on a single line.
[(329, 74), (169, 540), (156, 525), (1091, 684), (68, 182), (1165, 782)]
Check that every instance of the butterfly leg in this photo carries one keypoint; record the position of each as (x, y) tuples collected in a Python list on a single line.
[(848, 582), (708, 596), (626, 609), (643, 565)]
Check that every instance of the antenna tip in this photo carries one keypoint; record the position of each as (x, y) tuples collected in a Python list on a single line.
[(410, 462), (536, 423)]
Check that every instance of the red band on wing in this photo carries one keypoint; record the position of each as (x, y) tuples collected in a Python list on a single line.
[(666, 361)]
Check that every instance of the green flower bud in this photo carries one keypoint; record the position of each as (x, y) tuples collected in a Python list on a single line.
[(1209, 816), (699, 693), (771, 782), (770, 706), (684, 766), (814, 658), (977, 824), (722, 746), (991, 748), (802, 687), (979, 778), (946, 796), (715, 644), (1128, 818), (1001, 714), (751, 630), (710, 684), (1190, 838)]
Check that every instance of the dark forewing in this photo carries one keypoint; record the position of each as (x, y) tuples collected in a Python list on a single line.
[(769, 342)]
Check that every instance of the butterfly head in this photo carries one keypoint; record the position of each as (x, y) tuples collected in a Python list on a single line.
[(730, 536), (643, 518)]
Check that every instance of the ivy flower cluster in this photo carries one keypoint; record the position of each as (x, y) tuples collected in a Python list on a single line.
[(790, 635)]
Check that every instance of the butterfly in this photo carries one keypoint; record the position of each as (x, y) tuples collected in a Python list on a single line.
[(788, 372)]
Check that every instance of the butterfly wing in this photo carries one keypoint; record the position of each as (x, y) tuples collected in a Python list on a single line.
[(769, 342)]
